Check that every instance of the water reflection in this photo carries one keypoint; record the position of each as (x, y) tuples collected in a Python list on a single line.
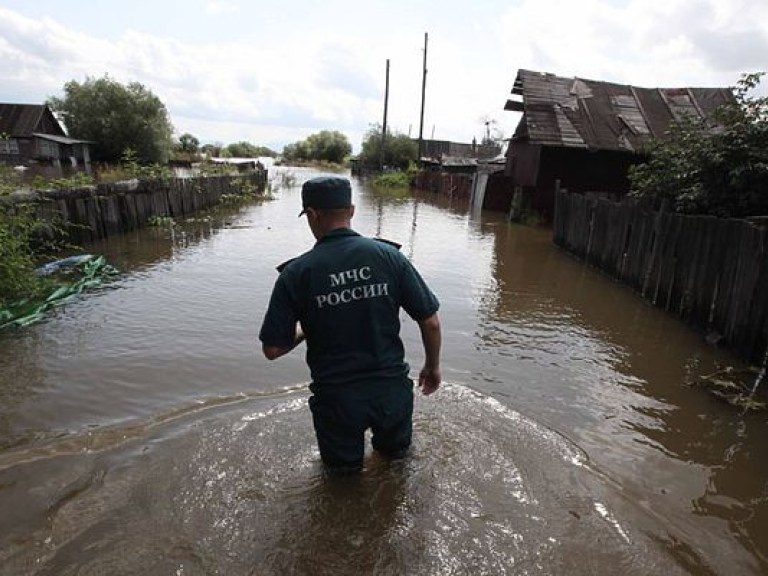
[(611, 371), (20, 376), (568, 443), (240, 491)]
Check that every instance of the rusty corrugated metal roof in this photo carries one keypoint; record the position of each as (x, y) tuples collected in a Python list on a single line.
[(20, 119), (575, 112)]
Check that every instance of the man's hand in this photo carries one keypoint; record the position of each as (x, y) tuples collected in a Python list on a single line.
[(431, 336), (429, 380)]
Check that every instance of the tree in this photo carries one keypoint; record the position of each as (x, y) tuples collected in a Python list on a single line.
[(717, 166), (189, 143), (399, 150), (247, 150), (212, 150), (116, 117), (326, 145)]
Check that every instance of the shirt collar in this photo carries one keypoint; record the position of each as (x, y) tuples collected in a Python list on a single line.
[(337, 233)]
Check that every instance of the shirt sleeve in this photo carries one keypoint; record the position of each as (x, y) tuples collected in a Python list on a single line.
[(279, 325), (418, 300)]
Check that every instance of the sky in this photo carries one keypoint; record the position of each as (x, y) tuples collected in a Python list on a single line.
[(274, 73)]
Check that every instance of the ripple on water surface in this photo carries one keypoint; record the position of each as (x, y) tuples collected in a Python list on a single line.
[(237, 489)]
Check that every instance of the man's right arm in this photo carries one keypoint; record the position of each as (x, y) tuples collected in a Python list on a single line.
[(431, 338), (275, 352), (280, 332)]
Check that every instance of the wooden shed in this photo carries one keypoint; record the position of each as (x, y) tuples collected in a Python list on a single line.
[(31, 134), (586, 134)]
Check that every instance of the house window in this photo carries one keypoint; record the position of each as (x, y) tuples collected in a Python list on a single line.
[(9, 146)]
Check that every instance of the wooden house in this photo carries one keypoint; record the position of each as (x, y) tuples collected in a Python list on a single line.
[(31, 135), (586, 134)]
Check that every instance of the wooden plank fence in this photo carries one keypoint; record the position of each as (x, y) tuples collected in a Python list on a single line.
[(106, 209), (444, 183), (711, 272)]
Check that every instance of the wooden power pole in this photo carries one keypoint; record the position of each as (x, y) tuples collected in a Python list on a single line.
[(423, 93), (384, 124)]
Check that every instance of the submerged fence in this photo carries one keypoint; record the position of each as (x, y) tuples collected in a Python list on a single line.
[(711, 272), (445, 184), (106, 209)]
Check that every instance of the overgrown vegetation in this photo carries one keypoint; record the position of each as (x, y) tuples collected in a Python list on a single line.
[(17, 263), (116, 117), (161, 222), (131, 168), (398, 151), (325, 146), (396, 178), (246, 191), (717, 167)]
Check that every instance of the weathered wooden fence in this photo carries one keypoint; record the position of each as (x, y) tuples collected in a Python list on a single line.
[(445, 184), (106, 209), (712, 272)]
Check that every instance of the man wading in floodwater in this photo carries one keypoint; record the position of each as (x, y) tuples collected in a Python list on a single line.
[(344, 298)]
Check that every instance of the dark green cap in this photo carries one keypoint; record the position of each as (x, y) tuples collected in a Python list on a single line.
[(326, 193)]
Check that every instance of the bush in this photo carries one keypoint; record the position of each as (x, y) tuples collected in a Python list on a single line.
[(17, 267), (399, 150), (718, 167)]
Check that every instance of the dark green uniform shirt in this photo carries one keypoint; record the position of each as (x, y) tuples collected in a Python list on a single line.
[(347, 293)]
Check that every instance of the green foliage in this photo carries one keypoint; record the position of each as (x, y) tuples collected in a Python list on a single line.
[(133, 169), (247, 150), (188, 143), (161, 221), (130, 168), (324, 146), (216, 169), (245, 192), (399, 150), (392, 180), (115, 117), (17, 270), (211, 150), (10, 180), (717, 167), (74, 182)]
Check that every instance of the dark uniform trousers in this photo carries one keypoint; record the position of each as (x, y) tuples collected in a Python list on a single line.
[(342, 417)]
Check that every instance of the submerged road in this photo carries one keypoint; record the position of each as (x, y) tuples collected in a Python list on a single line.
[(142, 432)]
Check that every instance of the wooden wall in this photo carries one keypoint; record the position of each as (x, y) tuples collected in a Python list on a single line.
[(106, 209), (445, 184), (711, 272)]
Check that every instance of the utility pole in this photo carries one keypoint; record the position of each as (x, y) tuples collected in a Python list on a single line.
[(384, 124), (423, 93)]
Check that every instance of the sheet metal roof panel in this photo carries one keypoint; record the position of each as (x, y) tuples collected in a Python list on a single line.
[(657, 112), (628, 111), (709, 100), (680, 102), (542, 125), (604, 122), (61, 139), (603, 115), (20, 119), (568, 134)]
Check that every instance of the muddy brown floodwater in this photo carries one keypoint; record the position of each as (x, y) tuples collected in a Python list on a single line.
[(141, 431)]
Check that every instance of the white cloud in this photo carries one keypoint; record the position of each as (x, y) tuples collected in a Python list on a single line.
[(282, 80), (219, 7)]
